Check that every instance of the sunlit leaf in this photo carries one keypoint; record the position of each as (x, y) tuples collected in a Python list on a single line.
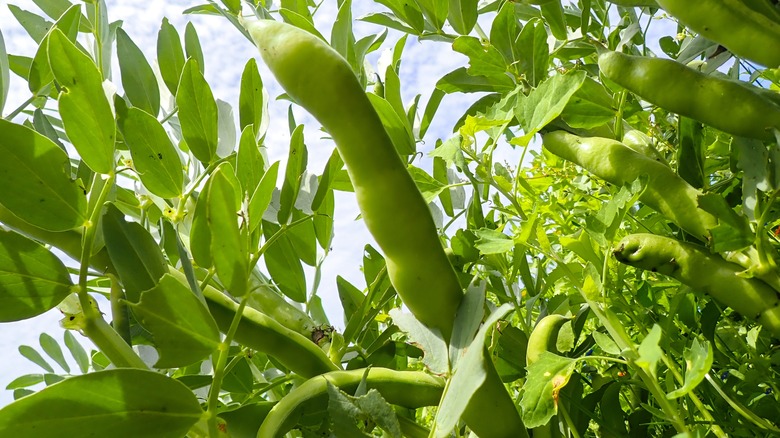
[(35, 176), (118, 403), (197, 113), (32, 279), (154, 156), (182, 327), (83, 106)]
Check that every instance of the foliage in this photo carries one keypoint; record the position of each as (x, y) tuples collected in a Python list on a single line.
[(165, 219)]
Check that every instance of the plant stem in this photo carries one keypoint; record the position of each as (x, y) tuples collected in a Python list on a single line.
[(94, 326), (219, 370)]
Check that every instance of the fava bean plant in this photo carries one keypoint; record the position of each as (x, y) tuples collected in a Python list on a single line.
[(590, 250)]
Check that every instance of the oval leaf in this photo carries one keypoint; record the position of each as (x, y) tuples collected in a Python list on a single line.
[(138, 78), (83, 106), (154, 156), (184, 331), (116, 403), (134, 252), (197, 113), (228, 247), (34, 175), (32, 279)]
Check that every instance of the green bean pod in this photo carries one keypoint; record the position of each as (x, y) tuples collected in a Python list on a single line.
[(694, 266), (544, 337), (635, 3), (744, 31), (322, 82), (411, 389), (612, 161), (262, 333), (723, 104)]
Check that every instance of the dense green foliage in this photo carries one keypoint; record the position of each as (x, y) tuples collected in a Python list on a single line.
[(618, 280)]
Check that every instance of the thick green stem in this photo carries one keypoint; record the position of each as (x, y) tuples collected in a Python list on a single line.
[(219, 370)]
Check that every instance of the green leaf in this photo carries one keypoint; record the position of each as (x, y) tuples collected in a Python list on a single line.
[(197, 113), (184, 331), (35, 25), (344, 414), (390, 21), (753, 159), (33, 356), (463, 15), (544, 381), (484, 60), (698, 361), (435, 11), (200, 235), (303, 238), (335, 163), (532, 52), (35, 177), (118, 403), (170, 55), (192, 45), (370, 408), (77, 351), (467, 320), (228, 246), (649, 350), (25, 381), (226, 129), (42, 125), (5, 76), (244, 421), (83, 106), (154, 156), (471, 372), (52, 348), (40, 74), (493, 241), (297, 159), (505, 31), (32, 279), (394, 125), (547, 102), (135, 254), (233, 6), (691, 152), (350, 297), (138, 79), (428, 340), (261, 198), (249, 162), (283, 264), (55, 8), (459, 80), (252, 102), (590, 107), (323, 221), (606, 343), (552, 11), (342, 39), (429, 187)]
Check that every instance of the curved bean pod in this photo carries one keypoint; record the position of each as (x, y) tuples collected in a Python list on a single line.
[(612, 161), (411, 389), (696, 267), (723, 104)]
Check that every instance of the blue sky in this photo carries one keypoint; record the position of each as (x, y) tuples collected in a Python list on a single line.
[(226, 51)]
